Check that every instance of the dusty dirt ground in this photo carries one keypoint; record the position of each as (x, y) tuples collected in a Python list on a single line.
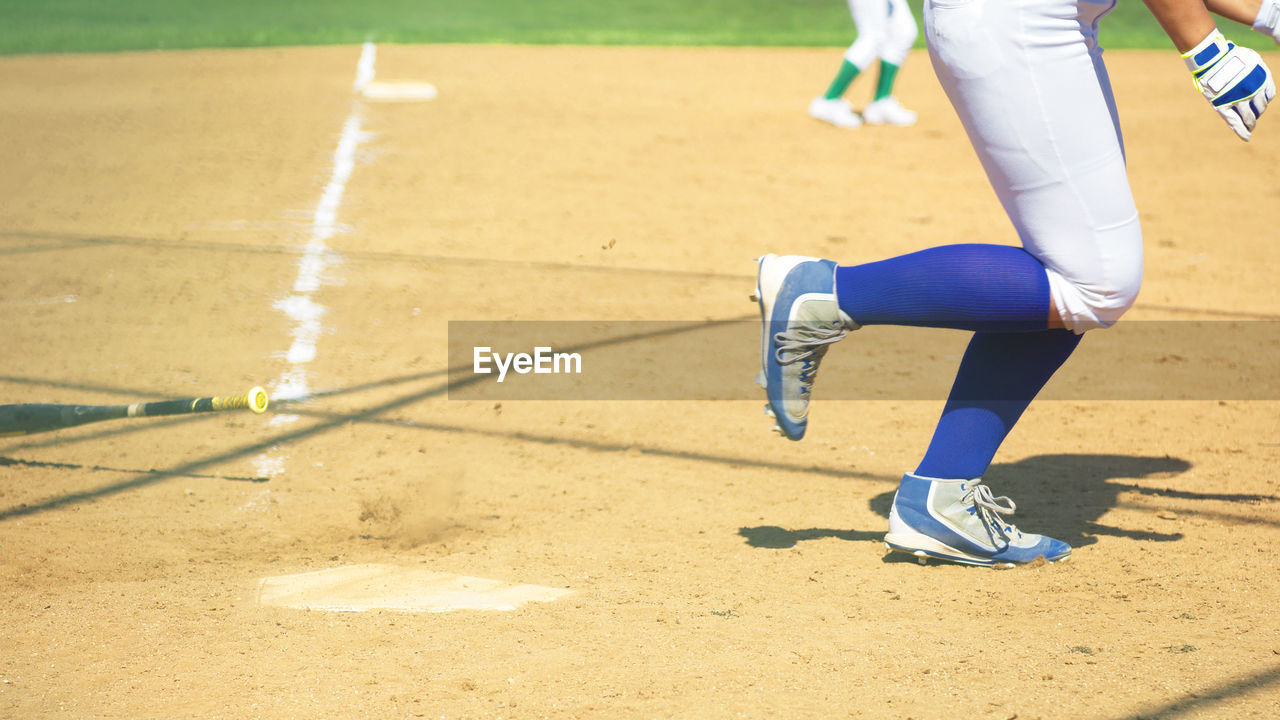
[(155, 210)]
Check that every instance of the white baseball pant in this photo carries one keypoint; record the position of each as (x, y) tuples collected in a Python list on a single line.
[(886, 30), (1027, 80)]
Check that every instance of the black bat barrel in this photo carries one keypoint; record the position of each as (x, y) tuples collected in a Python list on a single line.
[(177, 407), (34, 418)]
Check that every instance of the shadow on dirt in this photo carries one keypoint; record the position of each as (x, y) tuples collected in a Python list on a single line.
[(776, 538), (7, 461), (1066, 495), (1202, 700), (327, 421), (1062, 495)]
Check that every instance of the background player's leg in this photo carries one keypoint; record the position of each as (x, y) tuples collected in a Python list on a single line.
[(900, 33), (845, 76), (884, 82), (831, 107)]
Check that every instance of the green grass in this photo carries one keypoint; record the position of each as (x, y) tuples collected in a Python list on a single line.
[(49, 26)]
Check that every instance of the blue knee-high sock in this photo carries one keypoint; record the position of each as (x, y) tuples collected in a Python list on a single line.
[(999, 291), (999, 376), (993, 288)]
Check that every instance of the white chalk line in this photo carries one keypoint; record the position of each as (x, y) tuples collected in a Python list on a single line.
[(364, 68), (300, 306), (359, 588), (61, 299)]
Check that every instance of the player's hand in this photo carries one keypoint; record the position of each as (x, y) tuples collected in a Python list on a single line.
[(1268, 20), (1233, 79)]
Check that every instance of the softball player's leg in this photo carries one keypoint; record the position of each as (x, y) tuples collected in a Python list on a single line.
[(900, 34), (872, 20), (1027, 80)]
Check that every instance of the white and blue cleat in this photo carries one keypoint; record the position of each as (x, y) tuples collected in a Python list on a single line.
[(962, 521), (800, 320)]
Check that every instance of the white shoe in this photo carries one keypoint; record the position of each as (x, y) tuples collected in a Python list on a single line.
[(801, 319), (887, 111), (962, 521), (838, 112)]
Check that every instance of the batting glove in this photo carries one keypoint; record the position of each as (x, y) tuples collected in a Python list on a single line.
[(1268, 20), (1233, 79)]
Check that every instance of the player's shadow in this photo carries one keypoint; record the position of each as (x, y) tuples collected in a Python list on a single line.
[(776, 538), (1063, 496)]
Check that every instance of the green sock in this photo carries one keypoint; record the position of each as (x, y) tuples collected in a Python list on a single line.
[(848, 71), (884, 85)]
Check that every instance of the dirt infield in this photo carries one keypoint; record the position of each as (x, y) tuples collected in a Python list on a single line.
[(159, 207)]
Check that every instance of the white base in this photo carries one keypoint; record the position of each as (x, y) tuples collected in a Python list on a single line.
[(358, 588)]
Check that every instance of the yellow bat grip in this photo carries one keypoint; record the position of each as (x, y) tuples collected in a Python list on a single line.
[(255, 400)]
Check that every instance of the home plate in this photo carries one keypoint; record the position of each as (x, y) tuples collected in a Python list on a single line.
[(391, 91), (357, 588)]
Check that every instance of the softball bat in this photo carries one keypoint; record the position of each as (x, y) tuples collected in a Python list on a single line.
[(36, 417)]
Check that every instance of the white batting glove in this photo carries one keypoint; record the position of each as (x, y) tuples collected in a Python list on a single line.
[(1268, 20), (1233, 79)]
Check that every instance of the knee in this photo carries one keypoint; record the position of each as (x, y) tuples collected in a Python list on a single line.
[(899, 35), (1087, 303), (1109, 303), (863, 50)]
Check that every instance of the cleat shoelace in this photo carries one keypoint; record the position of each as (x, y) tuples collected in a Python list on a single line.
[(809, 343), (989, 507)]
